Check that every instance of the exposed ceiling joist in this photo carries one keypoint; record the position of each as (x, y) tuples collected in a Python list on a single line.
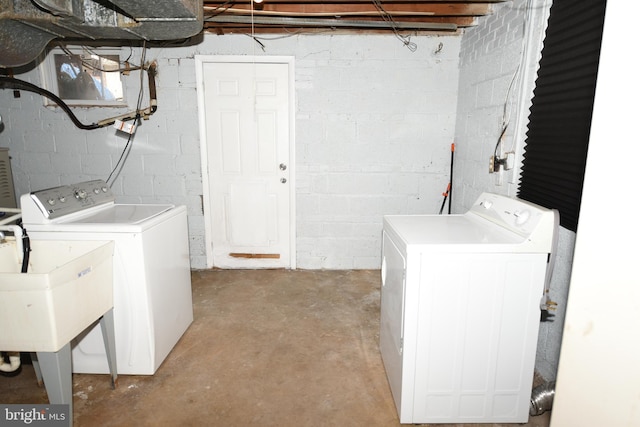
[(26, 26), (353, 15)]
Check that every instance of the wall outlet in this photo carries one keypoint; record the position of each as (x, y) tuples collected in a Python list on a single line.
[(497, 164), (510, 160)]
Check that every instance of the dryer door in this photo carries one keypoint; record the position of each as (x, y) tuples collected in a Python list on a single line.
[(392, 314)]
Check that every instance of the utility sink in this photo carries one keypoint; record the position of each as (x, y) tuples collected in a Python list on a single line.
[(67, 287)]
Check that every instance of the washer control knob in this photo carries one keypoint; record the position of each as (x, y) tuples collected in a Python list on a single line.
[(62, 199), (487, 204), (96, 191), (51, 201), (80, 194)]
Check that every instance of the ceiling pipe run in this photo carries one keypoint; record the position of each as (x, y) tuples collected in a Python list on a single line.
[(330, 23)]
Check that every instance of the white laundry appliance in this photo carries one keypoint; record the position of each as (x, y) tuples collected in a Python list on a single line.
[(461, 301), (151, 270)]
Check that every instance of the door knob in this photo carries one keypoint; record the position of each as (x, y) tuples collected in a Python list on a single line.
[(283, 167)]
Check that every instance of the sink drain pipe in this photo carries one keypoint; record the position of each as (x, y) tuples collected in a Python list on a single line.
[(542, 398), (12, 366)]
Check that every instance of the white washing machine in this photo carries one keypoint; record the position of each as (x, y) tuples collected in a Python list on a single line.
[(152, 281), (461, 302)]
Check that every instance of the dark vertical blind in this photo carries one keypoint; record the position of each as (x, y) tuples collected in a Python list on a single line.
[(555, 150)]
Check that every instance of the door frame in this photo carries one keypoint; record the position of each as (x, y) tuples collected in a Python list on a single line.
[(206, 184)]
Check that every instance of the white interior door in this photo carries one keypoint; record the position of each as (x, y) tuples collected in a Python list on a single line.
[(247, 152)]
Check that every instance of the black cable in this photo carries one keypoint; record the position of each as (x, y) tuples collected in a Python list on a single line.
[(453, 149), (13, 83), (495, 150), (26, 249), (444, 201), (127, 148), (220, 9), (447, 194)]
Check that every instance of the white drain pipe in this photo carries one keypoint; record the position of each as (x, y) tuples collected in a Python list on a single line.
[(14, 363), (14, 357), (15, 229)]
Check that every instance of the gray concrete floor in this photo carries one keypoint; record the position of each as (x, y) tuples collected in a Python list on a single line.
[(267, 348)]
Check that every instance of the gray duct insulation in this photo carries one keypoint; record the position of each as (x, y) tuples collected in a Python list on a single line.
[(27, 26)]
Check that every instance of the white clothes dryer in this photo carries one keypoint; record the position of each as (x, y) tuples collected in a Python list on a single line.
[(152, 281), (460, 310)]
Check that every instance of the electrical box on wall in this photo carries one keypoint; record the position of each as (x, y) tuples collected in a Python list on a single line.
[(498, 164)]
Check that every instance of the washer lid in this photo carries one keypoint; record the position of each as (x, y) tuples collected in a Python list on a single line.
[(448, 230), (120, 214)]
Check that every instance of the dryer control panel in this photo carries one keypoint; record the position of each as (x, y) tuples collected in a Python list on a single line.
[(57, 202), (519, 216)]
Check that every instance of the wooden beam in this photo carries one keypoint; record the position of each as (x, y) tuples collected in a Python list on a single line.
[(344, 9), (384, 2)]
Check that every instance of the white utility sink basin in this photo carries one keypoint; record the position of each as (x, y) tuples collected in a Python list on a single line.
[(68, 286)]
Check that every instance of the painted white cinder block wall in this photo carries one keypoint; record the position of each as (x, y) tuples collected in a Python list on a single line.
[(489, 57), (374, 126), (374, 123)]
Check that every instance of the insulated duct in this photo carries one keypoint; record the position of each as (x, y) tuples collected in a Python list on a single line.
[(27, 26), (542, 398)]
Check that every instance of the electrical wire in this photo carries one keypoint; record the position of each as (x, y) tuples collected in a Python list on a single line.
[(495, 150), (515, 78), (291, 34), (220, 9), (124, 155), (253, 33), (388, 18), (517, 72), (126, 61), (92, 66)]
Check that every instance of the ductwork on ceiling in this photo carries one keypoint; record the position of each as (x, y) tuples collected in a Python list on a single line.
[(27, 26)]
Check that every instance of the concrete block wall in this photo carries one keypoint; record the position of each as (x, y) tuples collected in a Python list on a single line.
[(489, 57), (162, 165), (374, 123)]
